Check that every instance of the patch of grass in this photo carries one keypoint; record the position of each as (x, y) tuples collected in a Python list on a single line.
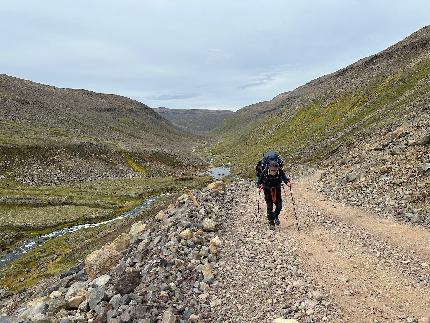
[(135, 166)]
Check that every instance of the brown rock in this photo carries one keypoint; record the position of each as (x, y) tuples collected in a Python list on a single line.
[(101, 261)]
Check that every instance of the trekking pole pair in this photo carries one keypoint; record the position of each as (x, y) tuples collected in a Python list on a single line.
[(294, 205)]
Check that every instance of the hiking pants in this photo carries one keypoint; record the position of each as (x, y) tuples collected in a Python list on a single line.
[(272, 195)]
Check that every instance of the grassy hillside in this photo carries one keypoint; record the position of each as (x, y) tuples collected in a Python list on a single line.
[(366, 126)]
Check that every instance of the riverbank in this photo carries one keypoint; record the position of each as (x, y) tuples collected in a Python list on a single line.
[(42, 218)]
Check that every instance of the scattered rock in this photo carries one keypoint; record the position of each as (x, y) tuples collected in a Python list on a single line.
[(186, 234), (208, 224), (160, 216)]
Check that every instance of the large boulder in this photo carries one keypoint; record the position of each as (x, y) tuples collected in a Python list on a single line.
[(136, 230), (101, 261), (76, 294), (35, 311)]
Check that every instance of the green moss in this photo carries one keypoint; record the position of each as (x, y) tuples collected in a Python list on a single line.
[(135, 166)]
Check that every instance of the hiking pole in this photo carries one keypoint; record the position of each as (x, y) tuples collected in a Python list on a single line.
[(258, 204), (294, 206)]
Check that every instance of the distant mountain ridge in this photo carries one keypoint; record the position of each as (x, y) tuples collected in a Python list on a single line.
[(199, 121)]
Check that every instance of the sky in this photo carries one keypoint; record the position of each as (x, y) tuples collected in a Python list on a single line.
[(190, 54)]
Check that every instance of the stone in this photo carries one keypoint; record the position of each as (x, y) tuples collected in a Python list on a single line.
[(281, 320), (137, 229), (76, 294), (186, 234), (194, 318), (115, 301), (95, 296), (207, 272), (208, 224), (216, 186), (101, 261), (182, 199), (425, 167), (35, 311), (128, 282), (169, 316), (317, 295), (213, 248), (193, 199), (351, 177), (417, 218), (160, 216), (101, 281), (216, 241), (55, 294)]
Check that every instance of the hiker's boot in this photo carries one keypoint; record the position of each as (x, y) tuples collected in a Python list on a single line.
[(271, 225), (277, 222)]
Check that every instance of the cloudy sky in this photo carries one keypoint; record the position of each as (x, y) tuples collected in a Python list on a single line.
[(196, 53)]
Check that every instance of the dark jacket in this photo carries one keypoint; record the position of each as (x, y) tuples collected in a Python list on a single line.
[(273, 180)]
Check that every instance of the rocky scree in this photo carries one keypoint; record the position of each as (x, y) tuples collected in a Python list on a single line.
[(157, 272)]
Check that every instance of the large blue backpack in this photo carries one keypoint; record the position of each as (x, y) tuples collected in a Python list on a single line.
[(271, 157)]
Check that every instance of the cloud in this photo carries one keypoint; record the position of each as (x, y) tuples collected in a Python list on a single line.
[(260, 80)]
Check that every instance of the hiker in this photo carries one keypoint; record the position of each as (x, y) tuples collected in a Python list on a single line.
[(270, 181)]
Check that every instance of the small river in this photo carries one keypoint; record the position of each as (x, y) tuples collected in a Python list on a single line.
[(216, 173), (40, 240)]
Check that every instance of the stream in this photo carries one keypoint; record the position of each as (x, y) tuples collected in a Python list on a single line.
[(40, 240), (216, 173)]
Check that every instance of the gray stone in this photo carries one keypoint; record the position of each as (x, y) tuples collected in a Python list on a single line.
[(101, 281), (35, 312), (208, 224), (169, 316), (425, 167), (115, 301), (95, 296)]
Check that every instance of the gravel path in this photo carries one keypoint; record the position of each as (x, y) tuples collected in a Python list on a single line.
[(344, 265)]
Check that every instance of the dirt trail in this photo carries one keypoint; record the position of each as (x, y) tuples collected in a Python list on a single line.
[(375, 269), (344, 265)]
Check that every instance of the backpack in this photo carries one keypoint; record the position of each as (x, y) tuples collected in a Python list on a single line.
[(271, 158)]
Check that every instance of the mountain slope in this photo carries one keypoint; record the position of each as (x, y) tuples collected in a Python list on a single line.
[(101, 133), (377, 107), (198, 121)]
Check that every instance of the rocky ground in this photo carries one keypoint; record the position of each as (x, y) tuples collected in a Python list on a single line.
[(211, 258)]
